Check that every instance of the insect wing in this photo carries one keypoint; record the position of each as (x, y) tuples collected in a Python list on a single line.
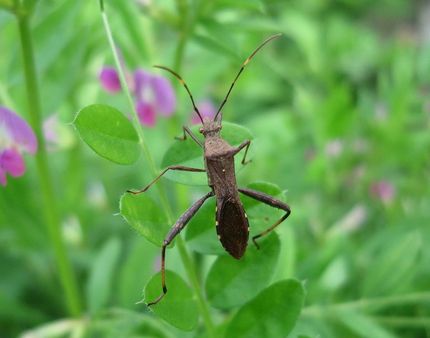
[(232, 227)]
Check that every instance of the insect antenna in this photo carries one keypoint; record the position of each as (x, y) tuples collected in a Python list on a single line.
[(186, 88), (270, 38)]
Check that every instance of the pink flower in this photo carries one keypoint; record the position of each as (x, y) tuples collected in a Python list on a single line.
[(110, 80), (16, 137), (383, 190), (153, 94), (206, 108)]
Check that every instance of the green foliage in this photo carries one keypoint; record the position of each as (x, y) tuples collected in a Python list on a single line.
[(336, 106), (178, 308), (123, 323), (108, 132), (272, 313), (101, 276), (7, 4), (398, 262), (362, 325), (232, 282), (144, 215)]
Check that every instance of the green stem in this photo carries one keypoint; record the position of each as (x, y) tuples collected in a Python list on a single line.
[(185, 256), (66, 274), (368, 304), (192, 276)]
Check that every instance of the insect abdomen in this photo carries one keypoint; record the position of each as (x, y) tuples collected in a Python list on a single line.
[(232, 226)]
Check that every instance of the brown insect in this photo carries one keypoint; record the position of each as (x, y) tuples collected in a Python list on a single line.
[(231, 220)]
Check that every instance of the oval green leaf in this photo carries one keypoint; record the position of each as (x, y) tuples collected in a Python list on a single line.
[(188, 153), (201, 234), (108, 132), (145, 216), (273, 313), (231, 282), (178, 307)]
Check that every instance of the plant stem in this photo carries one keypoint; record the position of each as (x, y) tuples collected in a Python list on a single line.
[(185, 257), (192, 276), (66, 274)]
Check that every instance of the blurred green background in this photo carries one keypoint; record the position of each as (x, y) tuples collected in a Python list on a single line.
[(340, 111)]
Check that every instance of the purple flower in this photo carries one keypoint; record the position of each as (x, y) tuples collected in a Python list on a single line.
[(206, 109), (110, 80), (146, 113), (153, 94), (16, 137), (383, 190)]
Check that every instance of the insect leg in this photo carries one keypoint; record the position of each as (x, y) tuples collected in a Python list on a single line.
[(172, 167), (269, 200), (174, 231), (189, 132), (244, 144)]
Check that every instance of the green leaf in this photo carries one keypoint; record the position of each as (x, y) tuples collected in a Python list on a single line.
[(273, 313), (188, 153), (201, 233), (397, 261), (362, 325), (100, 281), (109, 133), (231, 282), (145, 216), (178, 307)]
